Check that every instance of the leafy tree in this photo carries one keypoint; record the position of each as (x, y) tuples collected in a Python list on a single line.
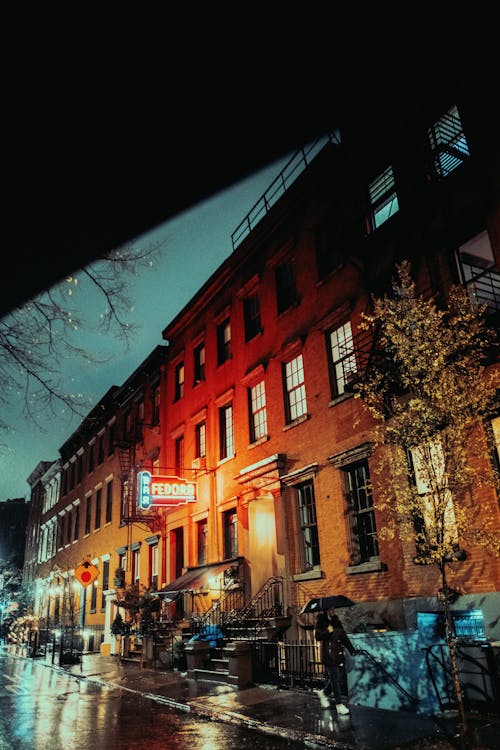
[(36, 338), (431, 390)]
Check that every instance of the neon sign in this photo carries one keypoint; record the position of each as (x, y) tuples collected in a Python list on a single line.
[(164, 492)]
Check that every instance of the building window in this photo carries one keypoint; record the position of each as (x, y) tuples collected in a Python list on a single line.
[(448, 143), (308, 526), (76, 523), (140, 412), (201, 440), (100, 450), (79, 469), (257, 411), (295, 389), (109, 501), (202, 537), (156, 405), (93, 596), (329, 249), (98, 504), (223, 341), (69, 518), (91, 459), (153, 565), (136, 565), (435, 522), (226, 431), (105, 582), (383, 199), (363, 530), (342, 360), (179, 456), (251, 313), (122, 560), (111, 438), (179, 381), (286, 292), (476, 267), (199, 363), (230, 533), (88, 515)]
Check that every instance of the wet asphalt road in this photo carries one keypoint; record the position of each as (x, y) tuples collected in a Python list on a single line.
[(41, 709)]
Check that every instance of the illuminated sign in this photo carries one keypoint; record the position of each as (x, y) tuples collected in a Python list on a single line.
[(164, 492)]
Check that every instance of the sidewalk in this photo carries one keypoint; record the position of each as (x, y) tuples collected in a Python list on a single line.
[(290, 714)]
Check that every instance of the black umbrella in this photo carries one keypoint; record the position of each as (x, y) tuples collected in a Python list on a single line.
[(322, 603)]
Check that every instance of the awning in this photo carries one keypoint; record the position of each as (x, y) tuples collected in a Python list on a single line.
[(195, 579)]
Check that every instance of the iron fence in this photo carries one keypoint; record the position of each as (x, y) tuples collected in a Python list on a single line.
[(290, 664)]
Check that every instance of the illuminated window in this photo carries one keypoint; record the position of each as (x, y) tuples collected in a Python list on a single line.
[(363, 529), (435, 522), (223, 341), (251, 314), (199, 363), (448, 143), (201, 440), (341, 358), (226, 431), (295, 389), (286, 291), (383, 199), (179, 381), (230, 533), (257, 407), (308, 526), (202, 537)]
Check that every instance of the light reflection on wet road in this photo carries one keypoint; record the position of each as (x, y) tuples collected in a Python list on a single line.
[(41, 709)]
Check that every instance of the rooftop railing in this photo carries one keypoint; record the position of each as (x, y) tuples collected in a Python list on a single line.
[(297, 164)]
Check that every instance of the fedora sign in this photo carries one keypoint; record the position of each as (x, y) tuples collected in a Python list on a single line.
[(164, 492)]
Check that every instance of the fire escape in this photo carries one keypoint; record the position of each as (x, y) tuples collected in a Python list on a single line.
[(131, 456)]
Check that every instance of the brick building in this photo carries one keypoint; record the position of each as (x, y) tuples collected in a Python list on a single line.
[(242, 456), (258, 409), (86, 510)]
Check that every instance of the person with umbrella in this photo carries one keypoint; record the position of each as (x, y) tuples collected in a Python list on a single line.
[(330, 632)]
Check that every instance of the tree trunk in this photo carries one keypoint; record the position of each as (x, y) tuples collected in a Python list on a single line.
[(452, 647)]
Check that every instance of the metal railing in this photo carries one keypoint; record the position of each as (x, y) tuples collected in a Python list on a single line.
[(297, 164), (235, 618), (483, 286)]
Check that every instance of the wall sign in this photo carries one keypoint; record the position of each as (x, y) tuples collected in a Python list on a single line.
[(164, 491)]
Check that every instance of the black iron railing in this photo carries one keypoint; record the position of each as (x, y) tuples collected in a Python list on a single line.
[(280, 185)]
